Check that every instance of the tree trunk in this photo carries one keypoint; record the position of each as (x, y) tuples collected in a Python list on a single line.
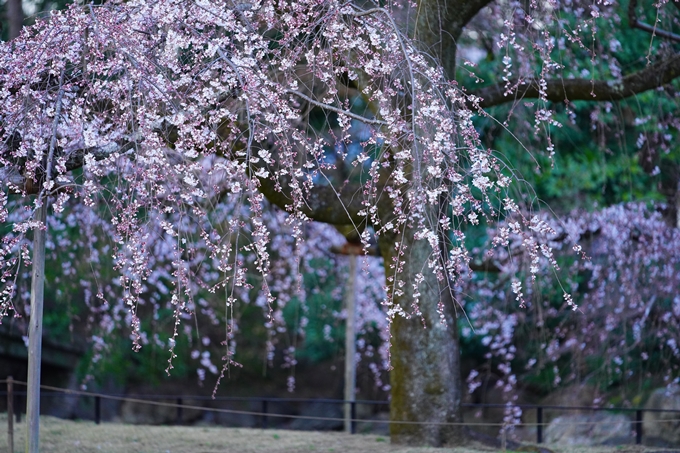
[(425, 376)]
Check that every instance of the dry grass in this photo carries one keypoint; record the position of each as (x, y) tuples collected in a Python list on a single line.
[(63, 436)]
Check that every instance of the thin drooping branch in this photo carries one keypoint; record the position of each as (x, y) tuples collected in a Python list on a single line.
[(636, 23), (560, 90)]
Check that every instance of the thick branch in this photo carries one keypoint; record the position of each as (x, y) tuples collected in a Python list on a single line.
[(10, 175), (76, 159), (330, 108), (323, 203), (636, 23), (559, 90), (439, 24)]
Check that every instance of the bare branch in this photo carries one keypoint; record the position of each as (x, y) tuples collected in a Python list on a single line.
[(655, 31), (559, 90), (76, 158), (353, 249)]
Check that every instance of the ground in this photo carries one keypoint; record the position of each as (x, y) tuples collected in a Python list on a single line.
[(64, 436)]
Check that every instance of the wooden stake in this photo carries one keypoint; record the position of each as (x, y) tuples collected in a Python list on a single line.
[(35, 327), (10, 414), (350, 343)]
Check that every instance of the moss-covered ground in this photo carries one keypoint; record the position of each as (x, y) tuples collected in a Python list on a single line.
[(64, 436)]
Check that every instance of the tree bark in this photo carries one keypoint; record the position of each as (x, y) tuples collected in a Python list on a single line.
[(439, 24), (425, 354)]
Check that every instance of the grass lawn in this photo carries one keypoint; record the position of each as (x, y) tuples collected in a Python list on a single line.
[(64, 436)]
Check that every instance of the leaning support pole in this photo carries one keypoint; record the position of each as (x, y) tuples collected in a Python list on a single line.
[(35, 331), (350, 342), (38, 291)]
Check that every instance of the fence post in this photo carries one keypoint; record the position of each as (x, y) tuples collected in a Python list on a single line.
[(354, 417), (638, 426), (539, 425), (10, 414), (97, 409), (179, 411), (17, 407), (264, 414)]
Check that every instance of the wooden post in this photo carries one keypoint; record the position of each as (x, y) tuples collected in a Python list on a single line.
[(539, 425), (351, 249), (263, 421), (638, 426), (35, 332), (97, 410), (350, 343), (10, 414), (179, 417)]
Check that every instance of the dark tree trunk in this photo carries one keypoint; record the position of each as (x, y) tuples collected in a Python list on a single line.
[(425, 379), (15, 17)]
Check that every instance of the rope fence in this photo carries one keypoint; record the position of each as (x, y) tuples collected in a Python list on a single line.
[(264, 413)]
